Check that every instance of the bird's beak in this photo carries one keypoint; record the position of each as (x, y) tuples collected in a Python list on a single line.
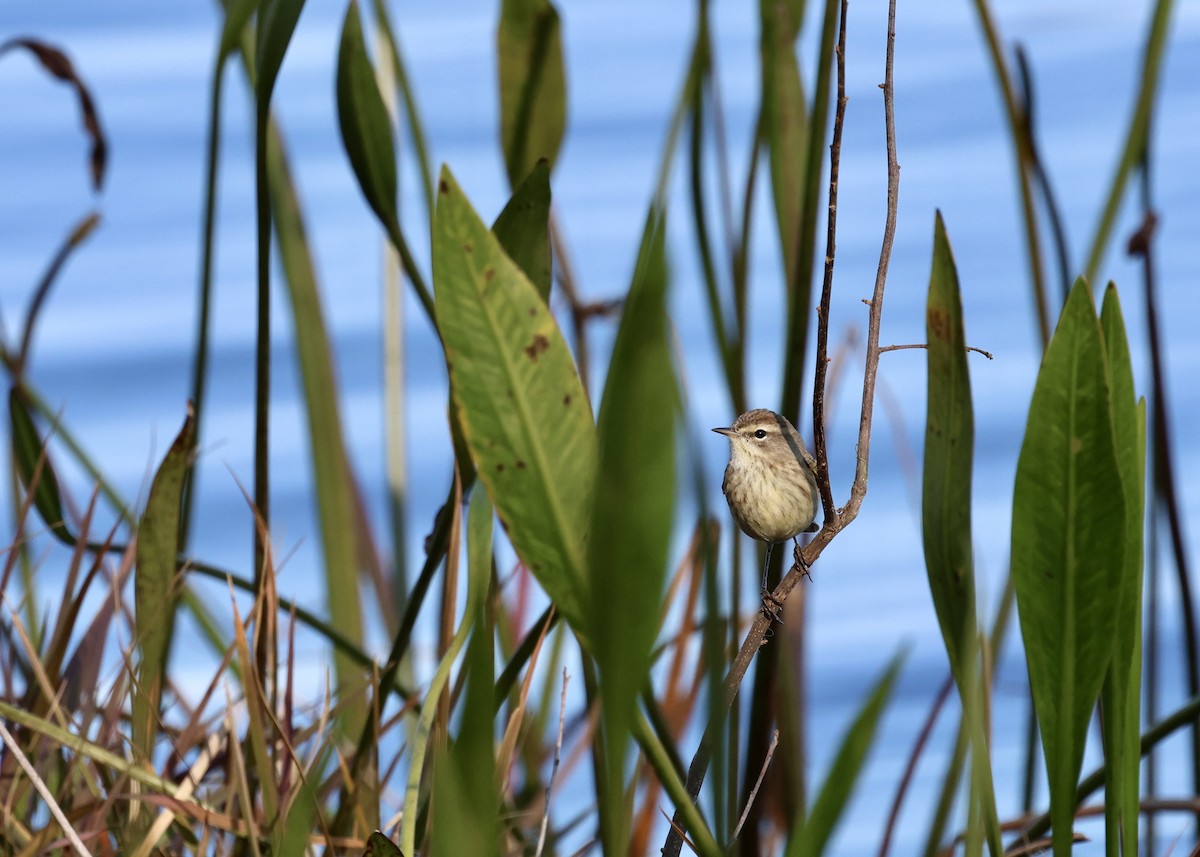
[(728, 432)]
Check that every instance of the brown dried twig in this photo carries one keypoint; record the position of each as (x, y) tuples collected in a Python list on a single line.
[(836, 519)]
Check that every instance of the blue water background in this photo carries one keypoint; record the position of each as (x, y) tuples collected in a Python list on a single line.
[(114, 344)]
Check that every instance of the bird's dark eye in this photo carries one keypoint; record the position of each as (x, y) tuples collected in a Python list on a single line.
[(760, 434)]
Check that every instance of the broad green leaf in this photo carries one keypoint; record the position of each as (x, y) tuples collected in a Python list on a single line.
[(1068, 545), (331, 472), (519, 399), (276, 23), (363, 118), (465, 784), (155, 589), (1121, 698), (28, 451), (533, 89), (810, 838), (946, 511), (634, 502), (949, 453), (523, 228)]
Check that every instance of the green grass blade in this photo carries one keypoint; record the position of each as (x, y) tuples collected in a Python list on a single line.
[(155, 589), (1068, 542), (634, 503), (363, 118), (523, 228), (465, 785), (479, 565), (1136, 135), (416, 131), (1121, 696), (533, 88), (331, 471), (521, 405), (810, 838), (660, 759)]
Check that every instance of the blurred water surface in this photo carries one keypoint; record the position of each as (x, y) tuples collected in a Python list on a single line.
[(114, 346)]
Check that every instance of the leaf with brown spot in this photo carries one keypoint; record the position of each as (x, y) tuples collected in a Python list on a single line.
[(508, 404)]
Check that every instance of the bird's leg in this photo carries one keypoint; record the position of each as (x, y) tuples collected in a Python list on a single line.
[(770, 604), (801, 564)]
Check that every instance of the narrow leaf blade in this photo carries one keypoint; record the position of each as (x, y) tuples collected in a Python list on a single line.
[(634, 503), (155, 590), (363, 119), (28, 451), (810, 838), (1121, 699)]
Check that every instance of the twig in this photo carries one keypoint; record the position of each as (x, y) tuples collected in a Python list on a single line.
[(835, 519), (757, 783), (562, 710), (1164, 481), (45, 793), (884, 348)]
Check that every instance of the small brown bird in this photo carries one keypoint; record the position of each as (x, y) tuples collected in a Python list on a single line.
[(770, 482)]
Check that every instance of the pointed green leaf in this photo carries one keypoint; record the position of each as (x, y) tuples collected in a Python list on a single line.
[(810, 838), (523, 228), (276, 23), (1068, 545), (155, 582), (522, 407), (363, 118), (533, 89), (949, 452), (634, 502), (28, 451), (946, 510), (1121, 699), (334, 484)]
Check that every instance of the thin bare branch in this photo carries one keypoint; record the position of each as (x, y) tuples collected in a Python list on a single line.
[(758, 783), (836, 519), (986, 354)]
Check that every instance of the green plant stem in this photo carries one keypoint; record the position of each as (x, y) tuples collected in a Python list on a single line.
[(1164, 478), (1018, 128), (412, 115), (204, 310), (661, 761), (1135, 137), (262, 373)]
